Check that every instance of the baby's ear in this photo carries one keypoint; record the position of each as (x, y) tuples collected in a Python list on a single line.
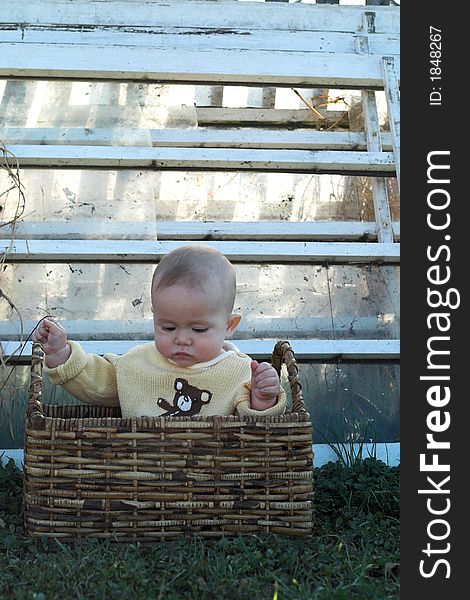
[(233, 322)]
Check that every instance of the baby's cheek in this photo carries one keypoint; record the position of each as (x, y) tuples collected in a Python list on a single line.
[(161, 342)]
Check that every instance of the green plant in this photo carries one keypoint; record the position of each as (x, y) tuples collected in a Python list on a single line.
[(350, 453), (368, 487), (11, 506)]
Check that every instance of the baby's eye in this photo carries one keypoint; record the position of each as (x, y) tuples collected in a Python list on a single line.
[(168, 328), (199, 330)]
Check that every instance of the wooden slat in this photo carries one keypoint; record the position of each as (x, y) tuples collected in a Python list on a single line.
[(224, 117), (212, 159), (193, 230), (209, 15), (268, 117), (142, 329), (240, 67), (379, 184), (146, 251), (307, 349), (202, 39), (300, 139), (209, 95), (374, 144), (392, 96)]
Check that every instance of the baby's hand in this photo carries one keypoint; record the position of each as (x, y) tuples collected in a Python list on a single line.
[(53, 338), (265, 385)]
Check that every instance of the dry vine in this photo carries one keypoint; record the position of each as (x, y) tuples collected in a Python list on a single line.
[(13, 189), (321, 121)]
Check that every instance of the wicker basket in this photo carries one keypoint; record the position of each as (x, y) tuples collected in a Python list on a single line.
[(90, 473)]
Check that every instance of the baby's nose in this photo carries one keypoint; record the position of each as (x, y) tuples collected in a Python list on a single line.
[(183, 338)]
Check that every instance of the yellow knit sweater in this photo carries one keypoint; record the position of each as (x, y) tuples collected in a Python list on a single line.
[(144, 383)]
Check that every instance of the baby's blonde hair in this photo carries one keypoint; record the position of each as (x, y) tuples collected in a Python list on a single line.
[(197, 266)]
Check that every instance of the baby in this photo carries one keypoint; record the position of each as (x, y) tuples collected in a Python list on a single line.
[(190, 369)]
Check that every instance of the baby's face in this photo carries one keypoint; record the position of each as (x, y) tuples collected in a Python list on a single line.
[(190, 324)]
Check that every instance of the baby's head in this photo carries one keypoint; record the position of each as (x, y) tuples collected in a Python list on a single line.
[(193, 292)]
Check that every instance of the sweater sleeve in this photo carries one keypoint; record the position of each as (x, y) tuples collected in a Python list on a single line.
[(242, 404), (88, 377)]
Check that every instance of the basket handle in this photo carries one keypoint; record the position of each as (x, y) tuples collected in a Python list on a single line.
[(283, 353), (35, 408)]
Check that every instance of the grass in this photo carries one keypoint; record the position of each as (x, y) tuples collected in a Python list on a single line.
[(353, 553)]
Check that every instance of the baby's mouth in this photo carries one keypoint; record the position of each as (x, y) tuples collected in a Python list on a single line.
[(182, 357)]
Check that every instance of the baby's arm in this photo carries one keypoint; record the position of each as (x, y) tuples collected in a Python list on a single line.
[(53, 338), (88, 377), (265, 385)]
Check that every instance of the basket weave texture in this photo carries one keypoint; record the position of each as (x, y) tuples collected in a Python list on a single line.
[(90, 473)]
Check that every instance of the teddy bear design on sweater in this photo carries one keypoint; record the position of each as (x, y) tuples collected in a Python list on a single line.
[(188, 400)]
